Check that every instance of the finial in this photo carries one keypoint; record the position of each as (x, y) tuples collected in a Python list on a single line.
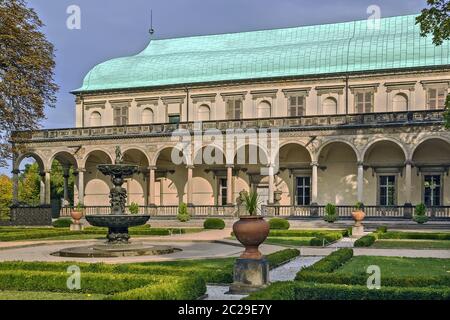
[(151, 31)]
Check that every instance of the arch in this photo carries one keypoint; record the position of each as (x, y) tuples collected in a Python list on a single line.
[(63, 157), (212, 152), (165, 149), (131, 153), (300, 144), (427, 140), (385, 139), (204, 113), (329, 106), (264, 109), (147, 116), (95, 119), (39, 160), (400, 102), (96, 152), (325, 144), (249, 153)]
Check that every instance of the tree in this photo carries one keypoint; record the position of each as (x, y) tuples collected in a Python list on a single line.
[(435, 20), (26, 72), (29, 185), (5, 195)]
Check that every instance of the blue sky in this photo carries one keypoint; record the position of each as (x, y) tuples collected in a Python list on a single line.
[(113, 28)]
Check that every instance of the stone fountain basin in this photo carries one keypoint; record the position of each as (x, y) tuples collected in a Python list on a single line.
[(117, 221)]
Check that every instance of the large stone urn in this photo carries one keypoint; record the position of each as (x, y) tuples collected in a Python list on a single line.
[(358, 216), (76, 214), (251, 231)]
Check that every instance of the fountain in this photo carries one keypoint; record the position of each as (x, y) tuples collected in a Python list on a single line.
[(117, 221)]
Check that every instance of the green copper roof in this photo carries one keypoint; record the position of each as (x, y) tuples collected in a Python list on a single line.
[(311, 50)]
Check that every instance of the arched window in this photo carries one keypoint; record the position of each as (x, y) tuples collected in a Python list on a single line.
[(329, 106), (400, 102), (263, 109), (147, 116), (204, 113), (95, 119)]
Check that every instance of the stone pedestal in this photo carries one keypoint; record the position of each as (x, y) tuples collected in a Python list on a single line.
[(249, 275), (76, 227), (357, 231)]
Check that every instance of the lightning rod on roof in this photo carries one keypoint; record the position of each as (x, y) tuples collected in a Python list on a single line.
[(151, 31)]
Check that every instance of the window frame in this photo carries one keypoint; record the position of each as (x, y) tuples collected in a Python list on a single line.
[(441, 187), (232, 109), (222, 191), (437, 88), (297, 106), (379, 186), (121, 116), (303, 196), (364, 92)]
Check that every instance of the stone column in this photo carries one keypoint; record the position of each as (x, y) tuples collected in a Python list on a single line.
[(271, 185), (42, 188), (314, 177), (360, 182), (81, 185), (151, 186), (408, 177), (15, 181), (66, 184), (190, 188), (47, 187), (229, 184)]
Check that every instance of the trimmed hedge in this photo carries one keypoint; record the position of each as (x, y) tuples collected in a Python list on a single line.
[(367, 240), (214, 223), (280, 257), (305, 233), (279, 224), (329, 238), (330, 262), (62, 223), (296, 290), (416, 235)]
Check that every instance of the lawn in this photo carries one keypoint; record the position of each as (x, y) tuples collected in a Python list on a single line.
[(171, 280), (395, 266), (412, 244), (289, 241)]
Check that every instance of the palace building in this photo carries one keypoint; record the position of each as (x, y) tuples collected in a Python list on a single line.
[(358, 108)]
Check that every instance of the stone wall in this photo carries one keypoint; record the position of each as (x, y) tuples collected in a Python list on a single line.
[(31, 216)]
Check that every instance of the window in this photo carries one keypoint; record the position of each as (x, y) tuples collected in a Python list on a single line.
[(147, 116), (234, 109), (95, 119), (120, 115), (436, 98), (303, 191), (432, 190), (222, 192), (364, 102), (204, 113), (387, 191), (296, 106), (264, 109), (329, 106), (174, 118)]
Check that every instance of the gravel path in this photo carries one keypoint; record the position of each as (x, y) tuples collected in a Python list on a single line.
[(285, 272)]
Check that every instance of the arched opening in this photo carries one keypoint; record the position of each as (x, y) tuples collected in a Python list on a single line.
[(96, 186), (400, 102), (431, 160), (264, 109), (95, 120), (137, 185), (329, 106), (147, 116), (385, 179), (338, 162), (204, 113), (294, 178), (31, 180)]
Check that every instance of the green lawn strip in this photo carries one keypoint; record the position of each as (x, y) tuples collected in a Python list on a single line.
[(412, 244), (415, 235), (289, 241), (44, 295), (298, 290)]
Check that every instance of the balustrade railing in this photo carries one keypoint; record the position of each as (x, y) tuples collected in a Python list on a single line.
[(299, 123)]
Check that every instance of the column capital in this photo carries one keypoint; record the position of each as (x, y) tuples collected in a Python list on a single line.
[(409, 162), (152, 168), (229, 166), (15, 171), (190, 166), (314, 163), (360, 163)]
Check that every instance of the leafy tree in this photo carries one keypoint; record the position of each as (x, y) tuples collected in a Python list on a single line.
[(26, 71), (435, 20), (5, 195), (29, 185)]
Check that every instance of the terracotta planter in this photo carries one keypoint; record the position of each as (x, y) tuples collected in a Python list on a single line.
[(76, 216), (358, 216), (251, 231)]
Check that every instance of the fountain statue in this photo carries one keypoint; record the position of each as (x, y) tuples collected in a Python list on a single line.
[(118, 221)]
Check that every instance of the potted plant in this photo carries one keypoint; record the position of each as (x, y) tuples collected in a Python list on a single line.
[(330, 213), (77, 213), (358, 214), (420, 214), (251, 230), (134, 208)]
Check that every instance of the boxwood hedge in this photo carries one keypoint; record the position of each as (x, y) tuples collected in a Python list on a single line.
[(214, 223), (279, 224)]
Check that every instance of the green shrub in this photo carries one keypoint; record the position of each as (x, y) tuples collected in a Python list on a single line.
[(304, 233), (214, 223), (279, 224), (366, 241), (331, 262), (381, 229), (296, 290), (420, 214), (183, 214), (415, 235), (330, 213), (325, 239), (62, 223), (134, 208), (280, 257)]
